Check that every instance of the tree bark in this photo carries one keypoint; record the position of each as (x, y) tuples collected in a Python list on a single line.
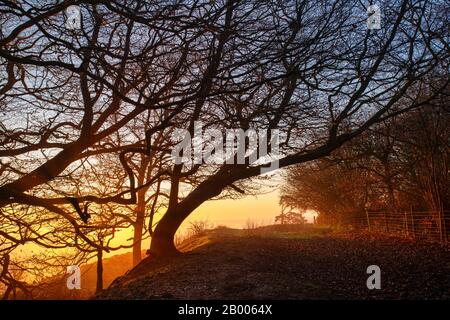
[(99, 286), (163, 236), (137, 235), (139, 211)]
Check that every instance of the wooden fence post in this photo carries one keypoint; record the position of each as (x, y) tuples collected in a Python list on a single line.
[(413, 223), (443, 224), (368, 220), (406, 225), (386, 222)]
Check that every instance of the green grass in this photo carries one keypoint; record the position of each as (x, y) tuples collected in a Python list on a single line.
[(296, 232), (307, 231), (295, 235)]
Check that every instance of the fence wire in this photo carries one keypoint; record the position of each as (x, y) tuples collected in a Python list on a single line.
[(421, 225)]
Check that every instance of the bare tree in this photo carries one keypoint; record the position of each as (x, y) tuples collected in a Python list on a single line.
[(310, 69), (395, 167), (338, 81)]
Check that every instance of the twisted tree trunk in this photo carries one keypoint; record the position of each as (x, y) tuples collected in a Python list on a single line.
[(162, 243)]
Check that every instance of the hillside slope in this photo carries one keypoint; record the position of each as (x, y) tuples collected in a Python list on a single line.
[(113, 267), (275, 264)]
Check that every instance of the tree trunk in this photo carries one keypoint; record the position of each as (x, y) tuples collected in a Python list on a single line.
[(139, 212), (163, 236), (99, 286), (7, 292), (137, 236)]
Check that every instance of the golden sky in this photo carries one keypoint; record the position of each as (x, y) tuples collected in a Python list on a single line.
[(260, 209)]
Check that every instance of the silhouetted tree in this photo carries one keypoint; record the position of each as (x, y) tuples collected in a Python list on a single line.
[(310, 69)]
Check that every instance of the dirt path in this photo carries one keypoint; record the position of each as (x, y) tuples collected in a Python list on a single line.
[(266, 267)]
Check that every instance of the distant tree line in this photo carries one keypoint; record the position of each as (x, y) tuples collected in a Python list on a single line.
[(398, 165)]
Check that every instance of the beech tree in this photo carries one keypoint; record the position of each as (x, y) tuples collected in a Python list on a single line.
[(338, 80)]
